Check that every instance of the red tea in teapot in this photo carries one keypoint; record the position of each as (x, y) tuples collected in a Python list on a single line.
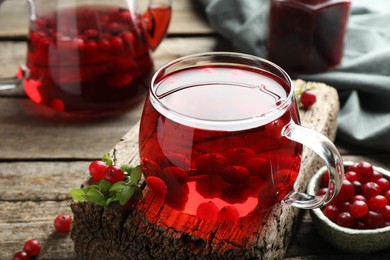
[(87, 59), (213, 167)]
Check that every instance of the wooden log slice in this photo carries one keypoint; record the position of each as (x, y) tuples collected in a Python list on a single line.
[(153, 230)]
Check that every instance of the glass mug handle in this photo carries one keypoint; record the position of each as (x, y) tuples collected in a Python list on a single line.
[(328, 153)]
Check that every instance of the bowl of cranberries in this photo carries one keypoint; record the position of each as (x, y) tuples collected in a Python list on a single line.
[(357, 220)]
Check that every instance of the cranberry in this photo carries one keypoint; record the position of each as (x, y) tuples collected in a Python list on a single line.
[(365, 171), (377, 202), (359, 197), (207, 211), (97, 169), (228, 214), (90, 46), (257, 166), (387, 195), (116, 44), (322, 191), (104, 45), (236, 174), (21, 255), (374, 220), (325, 179), (91, 33), (371, 189), (238, 156), (346, 192), (62, 223), (375, 176), (210, 186), (385, 212), (308, 98), (344, 206), (113, 174), (211, 163), (358, 186), (235, 194), (383, 183), (32, 247), (157, 185), (351, 176), (175, 173), (345, 219), (331, 211), (358, 209)]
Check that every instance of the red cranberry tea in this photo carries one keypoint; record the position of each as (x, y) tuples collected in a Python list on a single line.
[(307, 36), (203, 164), (88, 58)]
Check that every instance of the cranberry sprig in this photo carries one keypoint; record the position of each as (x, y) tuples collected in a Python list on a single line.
[(113, 183)]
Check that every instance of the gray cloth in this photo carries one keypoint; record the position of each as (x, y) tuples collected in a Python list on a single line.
[(363, 77)]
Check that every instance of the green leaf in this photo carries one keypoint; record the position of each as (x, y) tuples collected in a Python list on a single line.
[(117, 186), (125, 194), (92, 187), (107, 159), (95, 196), (77, 194), (104, 186), (135, 175), (127, 168)]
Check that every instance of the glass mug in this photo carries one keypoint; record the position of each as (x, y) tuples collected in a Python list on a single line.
[(222, 131), (91, 58)]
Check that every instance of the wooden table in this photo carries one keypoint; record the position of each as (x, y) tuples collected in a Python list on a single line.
[(44, 155)]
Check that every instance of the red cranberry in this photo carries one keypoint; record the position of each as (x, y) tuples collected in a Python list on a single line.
[(377, 202), (358, 209), (62, 223), (97, 169), (238, 156), (383, 183), (331, 211), (157, 185), (113, 174), (21, 255), (236, 174), (374, 220), (308, 98), (365, 171), (32, 247), (371, 189), (228, 214), (346, 192), (211, 163), (207, 211), (345, 219), (351, 176)]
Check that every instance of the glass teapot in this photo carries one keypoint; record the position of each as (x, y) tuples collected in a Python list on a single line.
[(88, 57)]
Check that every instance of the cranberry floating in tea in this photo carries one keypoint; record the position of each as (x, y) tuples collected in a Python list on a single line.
[(221, 134), (307, 36), (88, 58)]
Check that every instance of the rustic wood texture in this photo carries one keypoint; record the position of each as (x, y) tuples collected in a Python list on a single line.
[(143, 232), (51, 156)]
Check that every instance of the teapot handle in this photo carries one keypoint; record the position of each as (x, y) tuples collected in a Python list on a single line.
[(156, 21)]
